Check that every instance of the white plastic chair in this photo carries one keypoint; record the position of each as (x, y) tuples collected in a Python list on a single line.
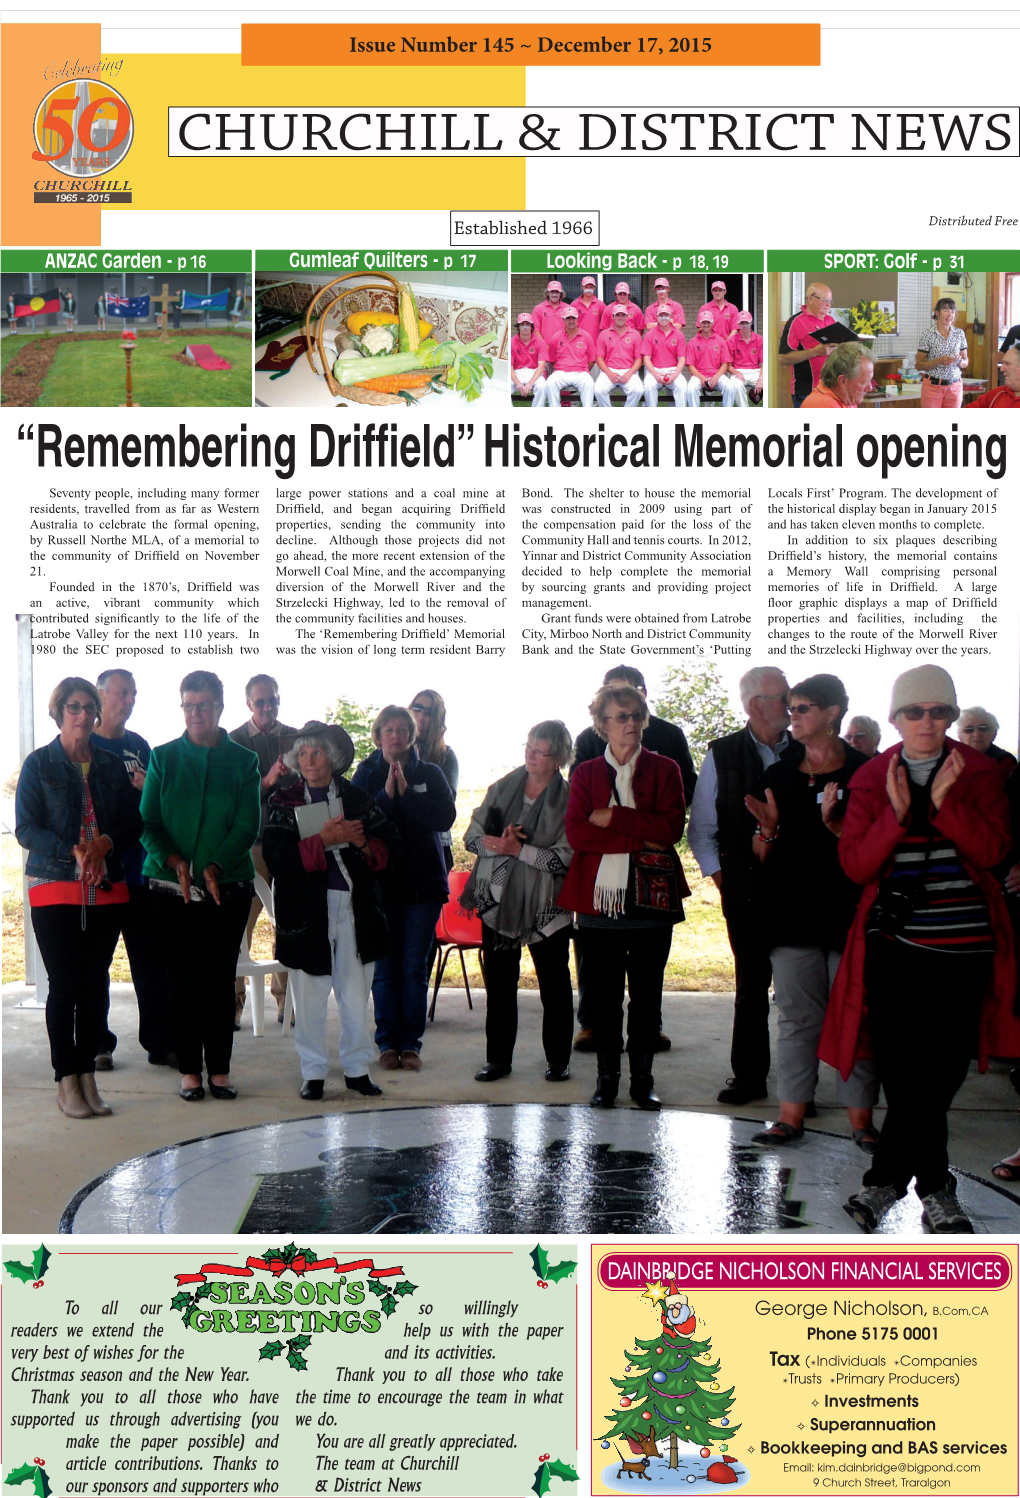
[(250, 969)]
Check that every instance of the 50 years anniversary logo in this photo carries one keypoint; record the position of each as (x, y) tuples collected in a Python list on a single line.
[(83, 128)]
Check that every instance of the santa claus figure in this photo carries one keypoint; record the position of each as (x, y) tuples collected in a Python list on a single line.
[(677, 1317)]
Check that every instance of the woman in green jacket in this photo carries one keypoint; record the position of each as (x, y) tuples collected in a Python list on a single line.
[(200, 815)]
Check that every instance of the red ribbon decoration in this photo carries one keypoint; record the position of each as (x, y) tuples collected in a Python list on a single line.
[(299, 1266)]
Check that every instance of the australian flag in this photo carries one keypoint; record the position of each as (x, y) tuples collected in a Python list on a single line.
[(218, 301), (127, 306)]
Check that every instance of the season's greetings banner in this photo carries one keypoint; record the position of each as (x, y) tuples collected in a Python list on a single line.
[(289, 1369)]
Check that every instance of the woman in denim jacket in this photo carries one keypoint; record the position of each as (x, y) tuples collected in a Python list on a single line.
[(76, 812)]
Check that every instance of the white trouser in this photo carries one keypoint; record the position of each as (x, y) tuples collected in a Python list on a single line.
[(744, 380), (569, 379), (538, 390), (726, 387), (351, 982), (633, 389), (678, 385)]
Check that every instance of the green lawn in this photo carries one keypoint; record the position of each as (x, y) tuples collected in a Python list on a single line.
[(92, 374)]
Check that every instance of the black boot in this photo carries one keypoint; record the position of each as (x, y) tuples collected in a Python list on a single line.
[(642, 1082), (608, 1084)]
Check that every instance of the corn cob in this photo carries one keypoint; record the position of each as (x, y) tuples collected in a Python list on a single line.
[(410, 337), (358, 321)]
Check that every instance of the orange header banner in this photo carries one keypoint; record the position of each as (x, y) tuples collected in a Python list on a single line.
[(651, 44)]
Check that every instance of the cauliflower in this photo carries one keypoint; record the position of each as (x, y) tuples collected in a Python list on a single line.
[(379, 340)]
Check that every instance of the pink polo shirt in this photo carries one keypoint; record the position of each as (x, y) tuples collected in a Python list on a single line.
[(706, 356), (675, 309), (799, 337), (746, 353), (635, 317), (527, 355), (619, 350), (664, 349), (571, 355), (549, 318), (589, 315), (725, 315)]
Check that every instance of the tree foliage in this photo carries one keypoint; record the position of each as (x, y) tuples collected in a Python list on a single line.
[(695, 697), (358, 722)]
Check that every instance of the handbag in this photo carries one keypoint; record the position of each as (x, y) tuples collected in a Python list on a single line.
[(653, 883)]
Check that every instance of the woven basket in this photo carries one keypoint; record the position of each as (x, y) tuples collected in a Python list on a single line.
[(328, 302)]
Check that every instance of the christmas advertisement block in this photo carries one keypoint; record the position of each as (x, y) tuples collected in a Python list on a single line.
[(815, 1370)]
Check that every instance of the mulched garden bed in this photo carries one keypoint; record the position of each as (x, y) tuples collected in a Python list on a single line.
[(40, 351)]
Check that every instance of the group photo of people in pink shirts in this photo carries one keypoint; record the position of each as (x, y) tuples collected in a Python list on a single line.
[(642, 340)]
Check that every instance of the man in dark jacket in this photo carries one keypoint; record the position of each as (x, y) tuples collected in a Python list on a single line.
[(661, 737), (719, 834)]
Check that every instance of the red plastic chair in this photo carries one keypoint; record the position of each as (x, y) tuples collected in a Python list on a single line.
[(455, 929)]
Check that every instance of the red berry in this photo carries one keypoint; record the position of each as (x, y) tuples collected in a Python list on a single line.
[(645, 1415), (705, 1451)]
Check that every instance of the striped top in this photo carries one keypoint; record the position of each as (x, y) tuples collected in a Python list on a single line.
[(948, 911)]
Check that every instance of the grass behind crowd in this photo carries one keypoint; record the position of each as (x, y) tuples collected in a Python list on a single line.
[(700, 960)]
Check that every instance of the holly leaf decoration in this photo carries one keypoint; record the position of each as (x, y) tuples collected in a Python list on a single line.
[(388, 1305), (42, 1484), (295, 1359), (29, 1272), (308, 1254), (181, 1301), (564, 1470), (21, 1474), (300, 1342), (406, 1288), (541, 1483), (561, 1270), (270, 1350), (376, 1287), (540, 1261), (40, 1260), (203, 1291)]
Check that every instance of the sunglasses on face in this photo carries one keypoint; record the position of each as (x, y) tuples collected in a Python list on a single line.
[(74, 708), (976, 728), (624, 718), (264, 702), (940, 714), (803, 707)]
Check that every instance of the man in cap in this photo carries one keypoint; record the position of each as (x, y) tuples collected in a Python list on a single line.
[(846, 379), (747, 359), (570, 355), (635, 317), (803, 351), (589, 309), (1004, 397), (548, 318), (662, 299), (528, 355), (708, 363), (618, 354), (664, 349), (723, 312)]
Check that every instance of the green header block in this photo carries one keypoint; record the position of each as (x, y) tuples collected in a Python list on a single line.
[(62, 262), (638, 262), (403, 264), (927, 262)]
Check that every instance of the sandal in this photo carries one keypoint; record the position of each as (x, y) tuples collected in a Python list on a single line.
[(866, 1139), (1010, 1171), (779, 1133)]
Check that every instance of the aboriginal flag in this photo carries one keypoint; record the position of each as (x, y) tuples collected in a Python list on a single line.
[(37, 303)]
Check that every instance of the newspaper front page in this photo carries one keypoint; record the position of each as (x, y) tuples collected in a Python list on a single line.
[(510, 862)]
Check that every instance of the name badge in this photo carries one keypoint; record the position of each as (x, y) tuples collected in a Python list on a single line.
[(839, 795)]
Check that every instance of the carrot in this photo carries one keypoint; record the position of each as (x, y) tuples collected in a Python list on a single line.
[(415, 379)]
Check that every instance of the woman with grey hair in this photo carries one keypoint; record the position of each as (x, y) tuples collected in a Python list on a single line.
[(625, 814), (864, 735), (325, 842), (520, 840), (978, 728)]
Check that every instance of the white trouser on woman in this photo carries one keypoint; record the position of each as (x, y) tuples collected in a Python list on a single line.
[(633, 389), (726, 387), (569, 379), (678, 385), (538, 391), (744, 381), (351, 982)]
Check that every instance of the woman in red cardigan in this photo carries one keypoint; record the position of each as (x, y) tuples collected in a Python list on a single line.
[(623, 803), (927, 978)]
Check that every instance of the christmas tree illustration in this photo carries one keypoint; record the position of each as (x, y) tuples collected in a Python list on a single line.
[(670, 1389)]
